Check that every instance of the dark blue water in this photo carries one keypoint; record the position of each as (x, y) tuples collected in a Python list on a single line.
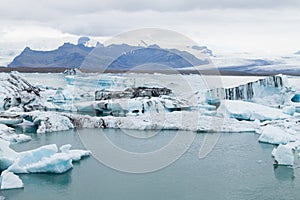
[(237, 168)]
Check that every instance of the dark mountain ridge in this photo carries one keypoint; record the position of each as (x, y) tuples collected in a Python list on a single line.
[(112, 57)]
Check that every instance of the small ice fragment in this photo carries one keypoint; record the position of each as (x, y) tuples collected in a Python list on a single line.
[(10, 181), (65, 148)]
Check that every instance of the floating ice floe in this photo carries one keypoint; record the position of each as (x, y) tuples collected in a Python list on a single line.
[(10, 181), (181, 121), (284, 154), (46, 159), (275, 135), (290, 126), (243, 110)]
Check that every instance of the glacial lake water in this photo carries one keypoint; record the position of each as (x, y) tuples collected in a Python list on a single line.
[(237, 168)]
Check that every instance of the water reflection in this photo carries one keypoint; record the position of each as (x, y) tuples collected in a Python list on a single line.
[(284, 173), (58, 183), (56, 180)]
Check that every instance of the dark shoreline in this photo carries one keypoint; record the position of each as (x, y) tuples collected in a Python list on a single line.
[(202, 72)]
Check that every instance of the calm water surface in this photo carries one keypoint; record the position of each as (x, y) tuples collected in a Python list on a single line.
[(237, 168)]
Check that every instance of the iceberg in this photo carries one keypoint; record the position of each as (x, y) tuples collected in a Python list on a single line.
[(46, 159), (59, 97), (9, 134), (271, 90), (284, 155), (243, 110), (181, 121), (10, 120), (7, 155), (18, 94), (57, 163), (140, 105), (49, 121), (26, 159), (275, 135), (10, 181), (65, 148), (156, 117), (25, 127)]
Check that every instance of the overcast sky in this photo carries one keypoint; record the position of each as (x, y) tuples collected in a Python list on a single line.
[(223, 25)]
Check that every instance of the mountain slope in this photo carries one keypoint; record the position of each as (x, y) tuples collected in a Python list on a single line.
[(115, 57), (68, 55)]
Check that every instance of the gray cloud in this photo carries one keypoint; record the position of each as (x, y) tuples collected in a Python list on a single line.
[(96, 17), (256, 23), (47, 10)]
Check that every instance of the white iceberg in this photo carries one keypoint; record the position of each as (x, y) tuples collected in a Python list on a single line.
[(65, 148), (284, 155), (59, 97), (46, 159), (10, 181), (154, 117), (49, 121), (26, 159), (9, 134), (275, 135), (57, 163), (250, 111), (181, 121), (19, 93), (7, 155)]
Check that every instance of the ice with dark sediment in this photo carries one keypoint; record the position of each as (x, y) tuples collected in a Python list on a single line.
[(270, 91), (17, 92), (9, 134)]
